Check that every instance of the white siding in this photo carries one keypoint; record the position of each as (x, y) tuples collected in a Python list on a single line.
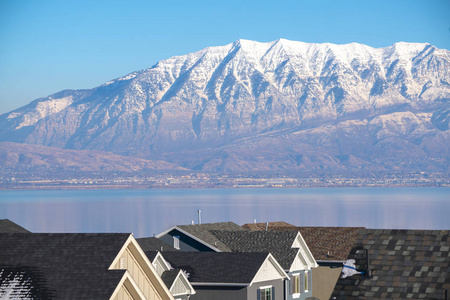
[(299, 263), (179, 287), (159, 268), (267, 272)]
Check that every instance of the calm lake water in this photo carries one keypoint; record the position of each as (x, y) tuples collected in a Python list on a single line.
[(148, 212)]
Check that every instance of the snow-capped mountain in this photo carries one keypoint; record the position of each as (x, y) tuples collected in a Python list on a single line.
[(253, 106)]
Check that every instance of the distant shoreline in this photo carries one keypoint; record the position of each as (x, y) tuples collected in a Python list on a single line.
[(145, 187)]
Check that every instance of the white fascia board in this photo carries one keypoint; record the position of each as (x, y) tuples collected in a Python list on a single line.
[(124, 247), (166, 231), (132, 240), (189, 235), (275, 264), (306, 250), (184, 279), (127, 277), (219, 284), (149, 264), (299, 257), (161, 257)]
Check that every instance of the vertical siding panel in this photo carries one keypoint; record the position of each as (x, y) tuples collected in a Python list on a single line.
[(135, 270)]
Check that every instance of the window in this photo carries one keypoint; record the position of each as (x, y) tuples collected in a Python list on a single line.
[(176, 242), (306, 281), (296, 284), (265, 293)]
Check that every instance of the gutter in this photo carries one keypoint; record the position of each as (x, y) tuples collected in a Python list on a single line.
[(330, 263), (219, 284)]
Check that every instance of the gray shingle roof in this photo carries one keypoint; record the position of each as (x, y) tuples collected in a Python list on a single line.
[(65, 266), (9, 226), (405, 264), (325, 243), (202, 231), (217, 267), (168, 277), (278, 243), (154, 244), (21, 283)]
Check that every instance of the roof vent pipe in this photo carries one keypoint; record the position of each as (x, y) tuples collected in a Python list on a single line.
[(267, 226), (199, 216)]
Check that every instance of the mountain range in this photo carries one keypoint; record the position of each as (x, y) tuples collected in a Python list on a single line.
[(282, 106)]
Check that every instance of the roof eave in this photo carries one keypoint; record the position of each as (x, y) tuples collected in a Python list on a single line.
[(189, 235), (219, 284)]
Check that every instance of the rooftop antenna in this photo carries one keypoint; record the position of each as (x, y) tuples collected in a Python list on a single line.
[(199, 216)]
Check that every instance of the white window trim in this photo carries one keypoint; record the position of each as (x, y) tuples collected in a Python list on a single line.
[(296, 295), (265, 287), (176, 242), (306, 283)]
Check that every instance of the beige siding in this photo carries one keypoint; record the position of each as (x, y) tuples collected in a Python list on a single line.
[(324, 280), (129, 262), (123, 294)]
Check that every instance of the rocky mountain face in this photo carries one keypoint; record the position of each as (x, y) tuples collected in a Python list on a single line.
[(249, 106)]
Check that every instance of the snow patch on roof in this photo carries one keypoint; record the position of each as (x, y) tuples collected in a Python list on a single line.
[(15, 285)]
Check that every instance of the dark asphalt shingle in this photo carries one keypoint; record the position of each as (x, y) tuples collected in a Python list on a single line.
[(66, 266), (203, 232), (217, 267), (154, 244), (325, 243), (405, 264), (9, 226), (278, 243), (168, 277)]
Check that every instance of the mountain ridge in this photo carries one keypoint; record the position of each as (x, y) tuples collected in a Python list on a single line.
[(219, 95)]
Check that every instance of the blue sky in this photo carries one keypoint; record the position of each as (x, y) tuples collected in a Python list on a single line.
[(47, 46)]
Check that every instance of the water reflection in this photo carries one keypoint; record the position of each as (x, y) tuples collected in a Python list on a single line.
[(147, 212)]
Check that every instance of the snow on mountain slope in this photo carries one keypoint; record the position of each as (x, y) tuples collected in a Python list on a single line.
[(244, 90)]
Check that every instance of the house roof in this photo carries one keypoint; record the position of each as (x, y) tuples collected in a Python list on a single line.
[(405, 264), (330, 243), (168, 277), (325, 243), (279, 243), (217, 267), (64, 266), (268, 225), (202, 233), (154, 244), (9, 226)]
